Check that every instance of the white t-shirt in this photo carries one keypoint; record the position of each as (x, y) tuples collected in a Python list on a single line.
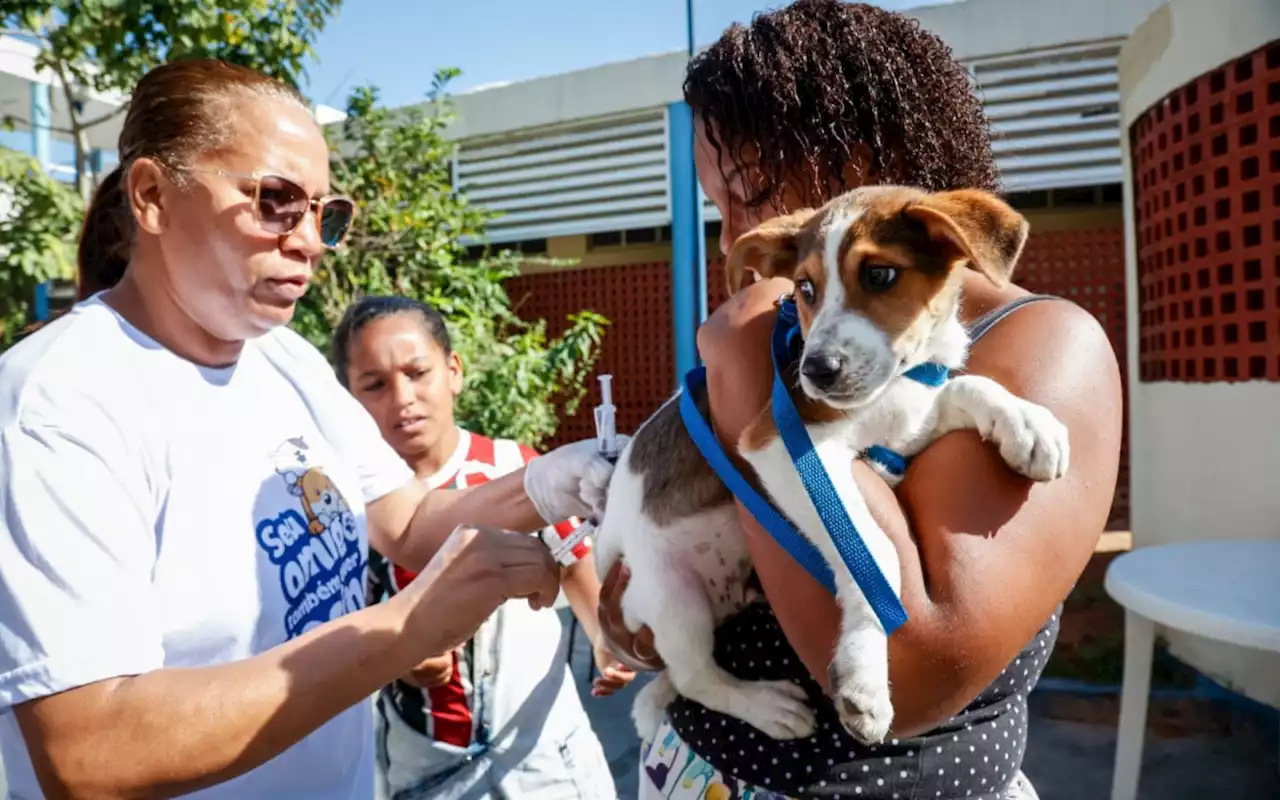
[(155, 513)]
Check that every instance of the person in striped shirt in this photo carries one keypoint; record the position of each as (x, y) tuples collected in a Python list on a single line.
[(499, 716)]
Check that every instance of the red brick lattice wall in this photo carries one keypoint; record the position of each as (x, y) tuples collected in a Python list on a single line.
[(638, 346), (717, 284), (1206, 162), (1086, 266)]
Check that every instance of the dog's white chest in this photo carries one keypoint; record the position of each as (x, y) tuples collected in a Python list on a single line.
[(902, 419)]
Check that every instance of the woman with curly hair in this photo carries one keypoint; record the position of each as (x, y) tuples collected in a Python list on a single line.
[(805, 103)]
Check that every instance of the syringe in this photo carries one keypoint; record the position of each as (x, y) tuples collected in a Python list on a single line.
[(606, 421), (607, 443)]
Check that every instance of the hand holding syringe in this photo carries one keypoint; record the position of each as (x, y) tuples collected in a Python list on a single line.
[(607, 443)]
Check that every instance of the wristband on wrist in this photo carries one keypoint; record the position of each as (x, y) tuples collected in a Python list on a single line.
[(562, 548)]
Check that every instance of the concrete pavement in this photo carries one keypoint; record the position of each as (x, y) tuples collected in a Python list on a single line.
[(1065, 760)]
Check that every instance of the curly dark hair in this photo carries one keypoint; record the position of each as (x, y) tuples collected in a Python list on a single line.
[(805, 87)]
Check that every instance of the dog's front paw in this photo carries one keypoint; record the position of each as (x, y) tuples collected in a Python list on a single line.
[(1032, 441), (779, 708), (864, 706)]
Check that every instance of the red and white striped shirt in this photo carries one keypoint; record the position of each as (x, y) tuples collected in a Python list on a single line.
[(444, 713)]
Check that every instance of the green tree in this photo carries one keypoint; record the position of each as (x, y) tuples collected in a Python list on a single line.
[(397, 166), (39, 220), (107, 45)]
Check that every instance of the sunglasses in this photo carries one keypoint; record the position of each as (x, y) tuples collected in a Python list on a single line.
[(280, 205)]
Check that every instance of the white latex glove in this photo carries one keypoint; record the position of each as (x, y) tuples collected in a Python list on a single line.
[(570, 481)]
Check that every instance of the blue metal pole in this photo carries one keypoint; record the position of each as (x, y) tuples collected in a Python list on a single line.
[(688, 16), (41, 123), (42, 301), (700, 274), (95, 164), (686, 232)]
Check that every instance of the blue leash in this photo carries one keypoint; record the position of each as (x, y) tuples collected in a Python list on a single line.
[(853, 551)]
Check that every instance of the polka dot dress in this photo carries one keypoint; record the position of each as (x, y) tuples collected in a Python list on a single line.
[(976, 754)]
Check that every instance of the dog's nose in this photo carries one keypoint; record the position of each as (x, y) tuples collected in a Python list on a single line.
[(822, 369)]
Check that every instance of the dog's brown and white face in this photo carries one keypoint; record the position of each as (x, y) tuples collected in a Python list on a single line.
[(878, 273)]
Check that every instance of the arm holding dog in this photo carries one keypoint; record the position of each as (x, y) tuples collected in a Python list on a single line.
[(986, 555)]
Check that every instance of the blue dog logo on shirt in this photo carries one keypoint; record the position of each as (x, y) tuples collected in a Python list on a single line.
[(315, 543)]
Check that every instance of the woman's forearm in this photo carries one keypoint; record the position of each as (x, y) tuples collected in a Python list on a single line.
[(174, 731), (933, 672), (810, 616), (500, 503), (581, 587), (409, 525)]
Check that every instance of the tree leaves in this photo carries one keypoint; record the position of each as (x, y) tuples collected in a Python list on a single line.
[(397, 166), (39, 222), (108, 45)]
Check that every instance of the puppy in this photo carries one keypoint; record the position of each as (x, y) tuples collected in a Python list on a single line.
[(877, 273)]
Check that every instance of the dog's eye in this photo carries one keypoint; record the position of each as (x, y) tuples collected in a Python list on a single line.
[(807, 291), (878, 277)]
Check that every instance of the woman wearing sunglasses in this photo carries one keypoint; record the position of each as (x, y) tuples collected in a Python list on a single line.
[(188, 493)]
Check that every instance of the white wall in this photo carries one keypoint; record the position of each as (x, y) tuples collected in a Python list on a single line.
[(649, 82), (1204, 456), (1204, 463), (1184, 39), (18, 72), (977, 28)]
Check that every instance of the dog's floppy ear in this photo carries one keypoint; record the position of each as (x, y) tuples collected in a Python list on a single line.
[(771, 248), (983, 229)]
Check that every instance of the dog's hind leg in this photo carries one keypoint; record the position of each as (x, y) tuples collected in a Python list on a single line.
[(650, 706), (682, 544), (675, 606)]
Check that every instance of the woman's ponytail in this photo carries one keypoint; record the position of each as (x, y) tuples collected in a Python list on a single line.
[(106, 238)]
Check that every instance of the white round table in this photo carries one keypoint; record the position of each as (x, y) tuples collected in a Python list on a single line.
[(1228, 591)]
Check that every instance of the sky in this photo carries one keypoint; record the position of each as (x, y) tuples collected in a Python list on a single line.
[(397, 45)]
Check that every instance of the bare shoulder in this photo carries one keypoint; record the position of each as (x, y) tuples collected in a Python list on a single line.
[(745, 318), (1052, 352)]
